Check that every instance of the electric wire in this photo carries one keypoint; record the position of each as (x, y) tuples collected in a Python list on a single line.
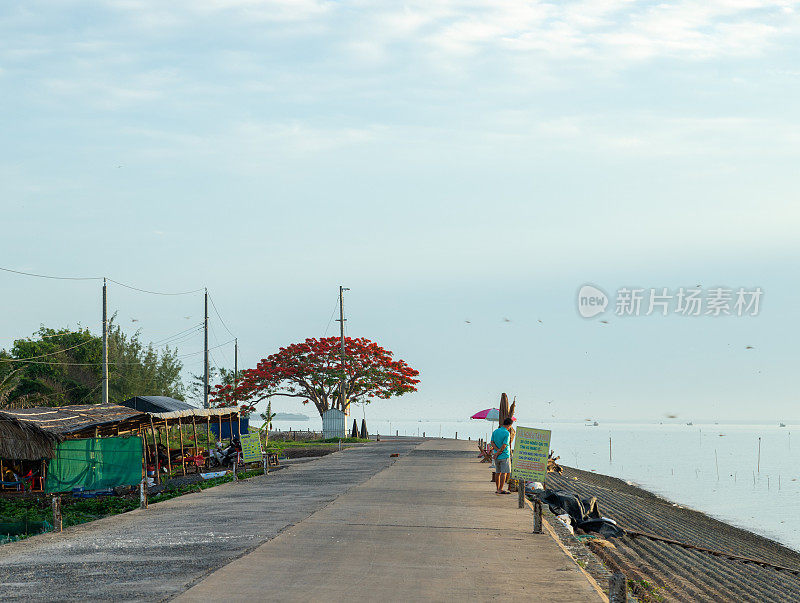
[(331, 318), (213, 305), (209, 349), (98, 278), (111, 280), (46, 355), (58, 278)]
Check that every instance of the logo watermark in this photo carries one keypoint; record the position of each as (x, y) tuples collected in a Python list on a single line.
[(591, 301), (683, 301)]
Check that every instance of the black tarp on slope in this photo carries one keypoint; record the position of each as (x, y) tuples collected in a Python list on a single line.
[(584, 512)]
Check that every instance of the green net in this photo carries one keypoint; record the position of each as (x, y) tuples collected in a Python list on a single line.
[(95, 463), (9, 528)]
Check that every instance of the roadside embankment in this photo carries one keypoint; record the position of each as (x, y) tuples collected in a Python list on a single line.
[(692, 556)]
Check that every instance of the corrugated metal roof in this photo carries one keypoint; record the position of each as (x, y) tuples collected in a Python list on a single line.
[(156, 404)]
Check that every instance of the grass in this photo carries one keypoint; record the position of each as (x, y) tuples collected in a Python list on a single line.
[(75, 511), (645, 591), (274, 445)]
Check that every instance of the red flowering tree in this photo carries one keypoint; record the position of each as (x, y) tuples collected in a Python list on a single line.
[(312, 370)]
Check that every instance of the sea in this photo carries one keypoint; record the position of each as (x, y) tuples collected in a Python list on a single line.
[(745, 475)]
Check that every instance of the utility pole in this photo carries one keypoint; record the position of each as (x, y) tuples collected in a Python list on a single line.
[(205, 354), (341, 337), (105, 344), (235, 370)]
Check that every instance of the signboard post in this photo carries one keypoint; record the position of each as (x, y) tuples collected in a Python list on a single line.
[(531, 448), (251, 447)]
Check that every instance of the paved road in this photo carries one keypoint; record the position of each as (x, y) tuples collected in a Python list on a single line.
[(427, 528), (157, 553)]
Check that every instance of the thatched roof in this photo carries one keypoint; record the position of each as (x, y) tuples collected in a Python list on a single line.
[(25, 441), (82, 419)]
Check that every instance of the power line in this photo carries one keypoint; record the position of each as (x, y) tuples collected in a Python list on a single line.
[(45, 355), (177, 335), (213, 305), (209, 349), (97, 278), (155, 292), (58, 278), (335, 305)]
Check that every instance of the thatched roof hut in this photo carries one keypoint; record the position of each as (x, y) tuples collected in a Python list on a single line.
[(25, 441), (82, 420)]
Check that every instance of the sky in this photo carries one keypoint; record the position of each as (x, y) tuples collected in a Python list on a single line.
[(448, 161)]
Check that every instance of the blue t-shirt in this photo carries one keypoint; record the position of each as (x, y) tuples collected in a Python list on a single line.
[(501, 436)]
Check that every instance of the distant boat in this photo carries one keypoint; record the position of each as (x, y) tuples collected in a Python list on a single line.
[(595, 424), (783, 424), (690, 423)]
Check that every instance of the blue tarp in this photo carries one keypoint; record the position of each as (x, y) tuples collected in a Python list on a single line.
[(226, 428)]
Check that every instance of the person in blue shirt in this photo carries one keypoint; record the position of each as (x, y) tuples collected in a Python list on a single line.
[(501, 440)]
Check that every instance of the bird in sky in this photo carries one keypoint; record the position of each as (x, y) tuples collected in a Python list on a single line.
[(506, 319), (540, 322), (469, 322), (605, 322), (134, 320), (187, 317), (749, 347)]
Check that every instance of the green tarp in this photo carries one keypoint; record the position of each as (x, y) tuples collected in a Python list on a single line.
[(95, 463)]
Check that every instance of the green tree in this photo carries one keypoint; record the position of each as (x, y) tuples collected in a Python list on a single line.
[(58, 367)]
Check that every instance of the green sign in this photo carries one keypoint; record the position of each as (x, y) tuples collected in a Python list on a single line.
[(251, 447), (531, 447)]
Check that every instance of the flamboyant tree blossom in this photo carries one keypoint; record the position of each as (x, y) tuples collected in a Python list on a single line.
[(312, 370)]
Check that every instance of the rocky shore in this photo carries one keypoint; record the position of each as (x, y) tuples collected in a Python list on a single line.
[(672, 553)]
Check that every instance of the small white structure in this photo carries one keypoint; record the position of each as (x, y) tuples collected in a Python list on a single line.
[(333, 424)]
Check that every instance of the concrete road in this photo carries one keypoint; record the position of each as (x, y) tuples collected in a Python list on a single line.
[(427, 528), (157, 553)]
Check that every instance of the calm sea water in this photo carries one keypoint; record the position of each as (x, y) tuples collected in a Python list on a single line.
[(708, 467)]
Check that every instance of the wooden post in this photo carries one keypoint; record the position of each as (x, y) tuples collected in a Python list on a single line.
[(456, 435), (219, 421), (169, 455), (235, 470), (194, 429), (617, 588), (156, 463), (143, 494), (180, 433), (537, 516), (521, 492), (57, 523), (208, 439), (239, 424)]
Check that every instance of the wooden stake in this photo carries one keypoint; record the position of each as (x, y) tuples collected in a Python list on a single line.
[(521, 492), (57, 523), (143, 494), (537, 516), (617, 588), (759, 455)]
